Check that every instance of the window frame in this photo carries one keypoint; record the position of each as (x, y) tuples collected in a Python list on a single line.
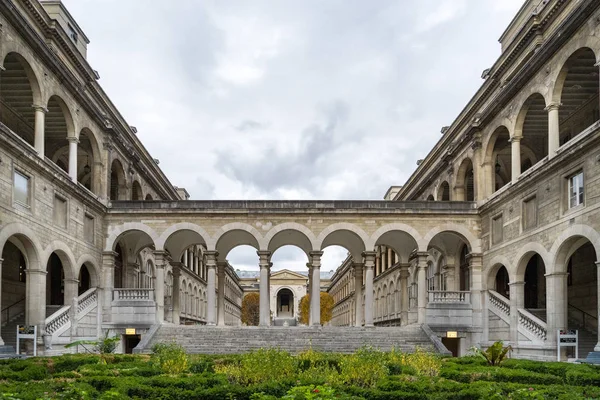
[(579, 195), (60, 196), (29, 178), (528, 198), (494, 218)]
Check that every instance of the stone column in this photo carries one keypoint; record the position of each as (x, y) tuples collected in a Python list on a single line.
[(422, 287), (517, 300), (73, 142), (71, 290), (315, 298), (40, 117), (556, 304), (160, 258), (221, 294), (478, 176), (211, 266), (553, 129), (175, 295), (358, 278), (597, 347), (35, 299), (515, 157), (1, 341), (449, 272), (369, 265), (265, 306), (309, 292), (404, 274), (475, 261), (108, 284)]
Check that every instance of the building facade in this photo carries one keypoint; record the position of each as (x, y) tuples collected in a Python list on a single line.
[(494, 236)]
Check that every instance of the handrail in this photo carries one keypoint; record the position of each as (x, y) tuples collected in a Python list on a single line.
[(584, 314), (533, 324), (7, 309), (57, 320)]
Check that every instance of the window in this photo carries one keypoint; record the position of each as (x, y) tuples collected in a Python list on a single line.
[(497, 229), (21, 188), (576, 189), (88, 228), (530, 213), (60, 212), (73, 33)]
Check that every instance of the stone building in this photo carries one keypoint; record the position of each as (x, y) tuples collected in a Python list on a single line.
[(494, 236)]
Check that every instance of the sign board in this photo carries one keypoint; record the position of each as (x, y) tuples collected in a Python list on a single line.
[(567, 338), (452, 334), (27, 332), (130, 331)]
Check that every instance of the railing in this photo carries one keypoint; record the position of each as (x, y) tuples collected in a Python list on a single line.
[(133, 294), (87, 299), (12, 310), (533, 324), (588, 321), (500, 302), (443, 296), (58, 320)]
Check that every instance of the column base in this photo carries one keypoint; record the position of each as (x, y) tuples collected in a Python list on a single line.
[(597, 347), (211, 324), (369, 326)]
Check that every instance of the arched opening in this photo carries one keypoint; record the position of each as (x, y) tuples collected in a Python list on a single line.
[(535, 286), (119, 258), (285, 304), (117, 181), (444, 192), (465, 184), (532, 126), (17, 83), (430, 198), (499, 157), (85, 280), (136, 191), (13, 280), (88, 171), (58, 127), (464, 282), (452, 250), (149, 197), (55, 283), (501, 282), (579, 105)]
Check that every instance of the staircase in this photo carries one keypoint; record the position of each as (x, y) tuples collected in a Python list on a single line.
[(539, 312), (227, 340), (9, 331)]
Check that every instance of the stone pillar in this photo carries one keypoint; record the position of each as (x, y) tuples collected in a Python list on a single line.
[(160, 259), (369, 265), (108, 284), (422, 286), (40, 117), (358, 279), (556, 304), (73, 142), (71, 290), (515, 158), (450, 272), (1, 306), (475, 261), (315, 296), (309, 292), (404, 274), (478, 176), (35, 299), (211, 266), (175, 295), (265, 306), (597, 347), (553, 129), (221, 293), (517, 300)]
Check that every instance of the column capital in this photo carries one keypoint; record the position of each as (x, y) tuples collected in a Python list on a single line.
[(39, 108), (109, 253), (315, 258), (515, 139), (1, 259), (264, 257), (211, 257), (71, 280), (35, 272), (177, 267), (357, 266), (557, 274), (554, 106), (72, 139), (518, 283), (597, 263)]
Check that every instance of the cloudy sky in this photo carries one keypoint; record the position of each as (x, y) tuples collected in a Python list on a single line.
[(291, 99)]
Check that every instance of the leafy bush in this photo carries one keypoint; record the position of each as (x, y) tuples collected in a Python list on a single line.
[(263, 365), (171, 358), (365, 368), (495, 354), (420, 363)]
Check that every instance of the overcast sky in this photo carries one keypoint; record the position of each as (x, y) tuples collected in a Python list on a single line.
[(291, 99)]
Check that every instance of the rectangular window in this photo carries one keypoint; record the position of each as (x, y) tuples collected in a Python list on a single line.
[(576, 189), (88, 228), (60, 212), (21, 188), (497, 229), (530, 213)]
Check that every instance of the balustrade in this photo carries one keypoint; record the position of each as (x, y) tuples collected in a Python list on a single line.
[(442, 296), (139, 294)]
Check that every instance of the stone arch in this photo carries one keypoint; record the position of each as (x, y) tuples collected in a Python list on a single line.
[(178, 237), (32, 75), (531, 124), (66, 257), (235, 234), (524, 255), (117, 187), (89, 161), (443, 191), (586, 42), (95, 271), (181, 226), (290, 233), (465, 189), (498, 157), (568, 241), (473, 243), (59, 126), (128, 227), (348, 236), (136, 191), (33, 249), (489, 273), (405, 239)]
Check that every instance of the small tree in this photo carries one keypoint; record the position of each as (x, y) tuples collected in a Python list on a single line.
[(251, 309), (326, 308)]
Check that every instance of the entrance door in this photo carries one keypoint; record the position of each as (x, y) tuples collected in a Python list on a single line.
[(130, 342)]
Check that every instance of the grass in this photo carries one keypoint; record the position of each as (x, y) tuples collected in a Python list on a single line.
[(274, 374)]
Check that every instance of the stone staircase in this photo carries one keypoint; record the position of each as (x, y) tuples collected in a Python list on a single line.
[(227, 340), (9, 331)]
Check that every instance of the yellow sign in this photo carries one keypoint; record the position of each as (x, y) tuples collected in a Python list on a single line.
[(130, 331), (451, 334)]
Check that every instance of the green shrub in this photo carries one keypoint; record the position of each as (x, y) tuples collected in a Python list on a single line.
[(263, 365), (495, 354), (170, 358), (365, 368), (201, 366)]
